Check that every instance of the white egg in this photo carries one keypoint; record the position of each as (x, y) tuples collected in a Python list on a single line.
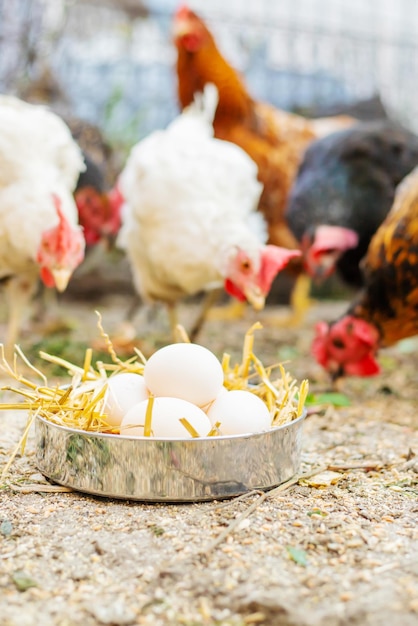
[(124, 391), (184, 370), (166, 413), (239, 412), (206, 407)]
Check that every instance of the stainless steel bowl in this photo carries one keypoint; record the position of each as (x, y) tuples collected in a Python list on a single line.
[(167, 470)]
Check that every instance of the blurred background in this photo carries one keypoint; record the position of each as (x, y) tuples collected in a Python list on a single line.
[(110, 63)]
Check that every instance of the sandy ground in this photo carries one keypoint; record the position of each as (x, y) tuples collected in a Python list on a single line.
[(320, 552)]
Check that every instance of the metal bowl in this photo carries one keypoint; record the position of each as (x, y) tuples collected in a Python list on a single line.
[(167, 470)]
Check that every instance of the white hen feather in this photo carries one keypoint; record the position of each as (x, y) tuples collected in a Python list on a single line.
[(38, 158), (189, 198), (31, 136)]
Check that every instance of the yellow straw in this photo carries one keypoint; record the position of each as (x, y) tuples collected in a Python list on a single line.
[(87, 362), (148, 417), (189, 427)]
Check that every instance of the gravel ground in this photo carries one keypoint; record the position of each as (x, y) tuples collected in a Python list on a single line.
[(334, 549)]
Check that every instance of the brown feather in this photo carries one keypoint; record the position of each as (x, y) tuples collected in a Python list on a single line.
[(390, 298)]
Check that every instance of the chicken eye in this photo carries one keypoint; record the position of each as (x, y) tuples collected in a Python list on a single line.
[(245, 265), (338, 343)]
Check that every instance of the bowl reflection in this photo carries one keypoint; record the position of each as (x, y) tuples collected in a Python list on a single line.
[(167, 470)]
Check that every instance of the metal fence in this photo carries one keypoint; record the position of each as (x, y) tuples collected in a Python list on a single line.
[(112, 62)]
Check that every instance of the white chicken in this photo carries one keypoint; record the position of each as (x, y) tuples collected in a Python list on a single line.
[(39, 233), (188, 224)]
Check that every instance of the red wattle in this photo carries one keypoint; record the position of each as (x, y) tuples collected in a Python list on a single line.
[(47, 278), (233, 290), (368, 366)]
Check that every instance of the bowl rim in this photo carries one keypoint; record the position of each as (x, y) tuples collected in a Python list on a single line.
[(118, 437)]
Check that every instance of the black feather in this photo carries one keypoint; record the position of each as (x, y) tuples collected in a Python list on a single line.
[(92, 176), (349, 179)]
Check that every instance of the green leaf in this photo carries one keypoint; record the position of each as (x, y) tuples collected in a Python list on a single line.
[(317, 512), (388, 362), (334, 398), (157, 530), (297, 555), (6, 528), (286, 353), (23, 581)]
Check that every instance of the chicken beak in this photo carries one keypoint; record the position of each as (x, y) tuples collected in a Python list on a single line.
[(61, 278), (255, 297), (324, 268)]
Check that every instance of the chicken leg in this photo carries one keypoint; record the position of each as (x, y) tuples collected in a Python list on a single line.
[(299, 304), (300, 300), (19, 291), (234, 310), (209, 299)]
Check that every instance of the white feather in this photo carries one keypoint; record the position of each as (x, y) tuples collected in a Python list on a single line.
[(38, 157), (32, 135), (189, 198)]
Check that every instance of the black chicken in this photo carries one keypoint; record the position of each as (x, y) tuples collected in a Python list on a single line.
[(344, 188)]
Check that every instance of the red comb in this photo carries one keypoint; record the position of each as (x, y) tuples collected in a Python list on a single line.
[(329, 237), (182, 12), (63, 227), (57, 202), (273, 260), (62, 219)]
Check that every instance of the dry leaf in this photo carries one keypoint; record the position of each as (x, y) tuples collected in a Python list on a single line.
[(324, 479)]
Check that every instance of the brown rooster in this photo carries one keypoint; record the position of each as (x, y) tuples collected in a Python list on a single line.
[(386, 310), (274, 139)]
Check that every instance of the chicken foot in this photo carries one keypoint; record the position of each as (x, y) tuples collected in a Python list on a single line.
[(234, 310)]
